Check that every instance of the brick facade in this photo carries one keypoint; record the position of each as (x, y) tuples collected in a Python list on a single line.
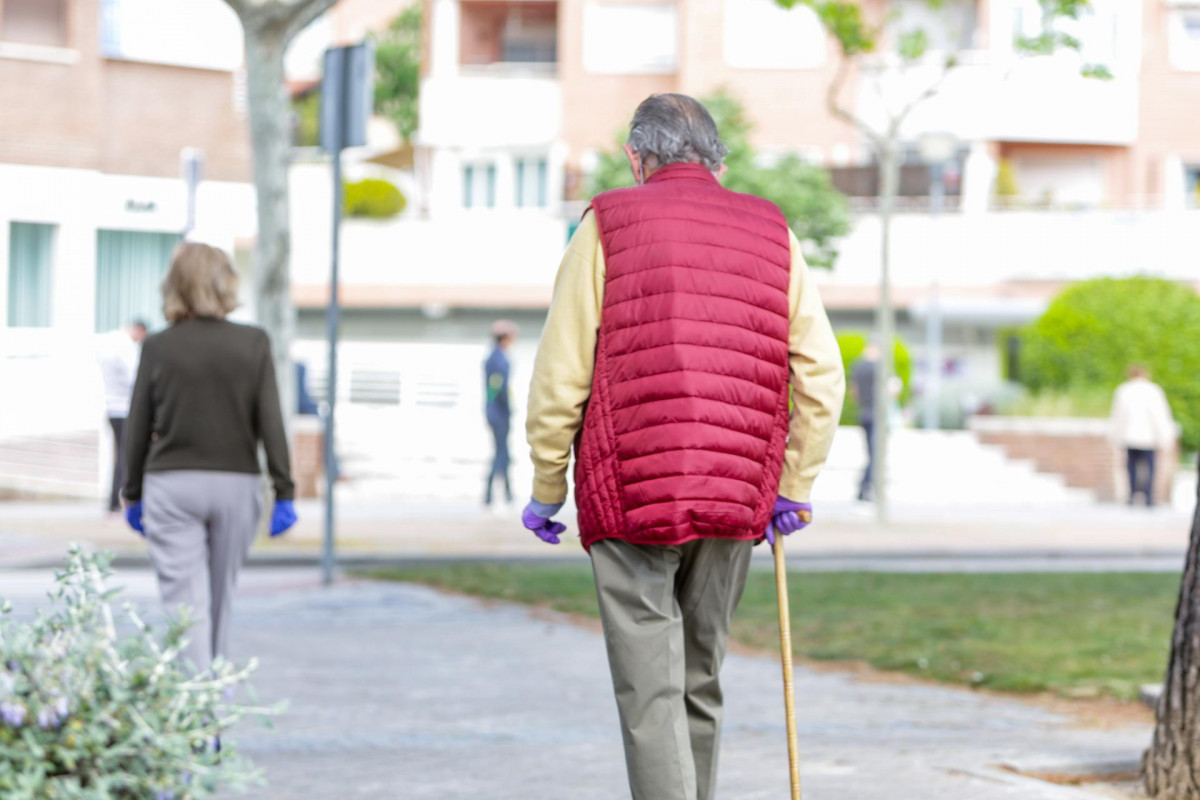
[(73, 107)]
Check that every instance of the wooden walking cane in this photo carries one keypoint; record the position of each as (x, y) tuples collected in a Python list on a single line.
[(785, 646)]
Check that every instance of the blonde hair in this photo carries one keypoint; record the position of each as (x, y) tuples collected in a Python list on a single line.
[(200, 283)]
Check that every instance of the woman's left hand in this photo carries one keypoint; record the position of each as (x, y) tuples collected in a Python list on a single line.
[(133, 515), (283, 517)]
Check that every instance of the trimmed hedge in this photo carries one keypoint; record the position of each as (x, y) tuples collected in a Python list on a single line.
[(1094, 330), (374, 199), (852, 344)]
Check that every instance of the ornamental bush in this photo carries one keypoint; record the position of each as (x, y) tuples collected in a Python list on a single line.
[(852, 344), (1094, 330), (374, 198), (86, 714)]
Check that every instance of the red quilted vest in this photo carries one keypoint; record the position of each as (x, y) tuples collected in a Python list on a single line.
[(684, 435)]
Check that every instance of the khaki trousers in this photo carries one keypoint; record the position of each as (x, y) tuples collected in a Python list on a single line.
[(666, 612)]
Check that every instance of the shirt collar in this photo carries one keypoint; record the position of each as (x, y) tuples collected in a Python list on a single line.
[(682, 171)]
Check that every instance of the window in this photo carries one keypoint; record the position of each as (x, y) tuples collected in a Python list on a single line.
[(630, 39), (1183, 38), (41, 22), (512, 33), (30, 260), (759, 34), (479, 186), (186, 33), (1192, 185), (529, 182), (130, 266)]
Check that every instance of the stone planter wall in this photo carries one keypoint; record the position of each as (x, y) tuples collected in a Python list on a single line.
[(1076, 449)]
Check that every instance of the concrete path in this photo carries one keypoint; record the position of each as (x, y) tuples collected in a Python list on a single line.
[(401, 692), (844, 535)]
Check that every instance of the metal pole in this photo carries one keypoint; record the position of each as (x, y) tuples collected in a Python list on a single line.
[(328, 563), (933, 324), (885, 321)]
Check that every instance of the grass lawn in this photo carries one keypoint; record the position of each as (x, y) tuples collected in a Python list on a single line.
[(1078, 635)]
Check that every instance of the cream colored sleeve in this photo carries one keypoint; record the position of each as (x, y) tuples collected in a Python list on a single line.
[(818, 383), (562, 372)]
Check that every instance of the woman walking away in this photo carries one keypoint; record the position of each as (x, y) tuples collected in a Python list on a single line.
[(204, 398)]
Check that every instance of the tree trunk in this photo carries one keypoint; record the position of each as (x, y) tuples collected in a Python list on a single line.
[(889, 185), (1171, 767), (270, 122)]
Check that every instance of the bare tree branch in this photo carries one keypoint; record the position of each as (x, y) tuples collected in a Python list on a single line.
[(278, 18), (305, 12), (929, 92), (833, 103)]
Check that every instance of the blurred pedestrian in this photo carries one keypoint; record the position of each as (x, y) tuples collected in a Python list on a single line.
[(1141, 425), (118, 356), (681, 312), (862, 387), (205, 398), (498, 408)]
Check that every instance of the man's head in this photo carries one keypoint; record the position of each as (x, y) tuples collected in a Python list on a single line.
[(872, 352), (673, 129), (137, 331), (504, 332), (1136, 371)]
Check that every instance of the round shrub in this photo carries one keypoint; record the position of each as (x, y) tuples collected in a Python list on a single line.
[(373, 198), (852, 344), (1094, 330)]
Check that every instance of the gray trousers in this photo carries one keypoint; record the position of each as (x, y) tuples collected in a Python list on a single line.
[(199, 526), (666, 613)]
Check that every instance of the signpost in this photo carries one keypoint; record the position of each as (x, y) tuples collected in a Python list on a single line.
[(191, 160), (347, 98)]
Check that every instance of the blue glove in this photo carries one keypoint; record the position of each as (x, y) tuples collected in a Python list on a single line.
[(133, 515), (536, 518), (283, 517), (788, 517)]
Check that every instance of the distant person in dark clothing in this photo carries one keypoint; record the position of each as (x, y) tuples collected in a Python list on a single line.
[(118, 355), (204, 400), (305, 405), (498, 409), (862, 386)]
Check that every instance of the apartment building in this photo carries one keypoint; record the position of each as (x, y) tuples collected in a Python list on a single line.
[(100, 98)]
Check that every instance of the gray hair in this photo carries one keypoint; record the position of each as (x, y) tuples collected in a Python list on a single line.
[(675, 129)]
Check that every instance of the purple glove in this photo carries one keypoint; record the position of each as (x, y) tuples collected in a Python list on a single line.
[(536, 518), (786, 518)]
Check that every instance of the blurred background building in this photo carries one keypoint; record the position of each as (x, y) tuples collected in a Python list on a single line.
[(1054, 178)]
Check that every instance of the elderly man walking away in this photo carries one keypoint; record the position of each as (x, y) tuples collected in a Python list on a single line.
[(680, 313), (1141, 425)]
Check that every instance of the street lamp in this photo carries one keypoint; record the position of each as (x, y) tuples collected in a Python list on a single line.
[(937, 149)]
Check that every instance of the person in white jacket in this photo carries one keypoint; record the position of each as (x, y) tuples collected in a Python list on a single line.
[(118, 353), (1141, 424)]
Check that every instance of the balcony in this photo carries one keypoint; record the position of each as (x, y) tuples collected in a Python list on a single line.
[(494, 110)]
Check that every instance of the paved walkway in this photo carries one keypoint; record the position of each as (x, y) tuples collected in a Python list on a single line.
[(401, 692), (845, 535)]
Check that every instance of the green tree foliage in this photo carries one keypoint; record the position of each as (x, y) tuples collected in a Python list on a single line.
[(852, 344), (306, 119), (398, 70), (374, 198), (1094, 330), (813, 208)]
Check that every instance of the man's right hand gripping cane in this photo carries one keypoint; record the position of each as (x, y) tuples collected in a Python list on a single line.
[(787, 518)]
